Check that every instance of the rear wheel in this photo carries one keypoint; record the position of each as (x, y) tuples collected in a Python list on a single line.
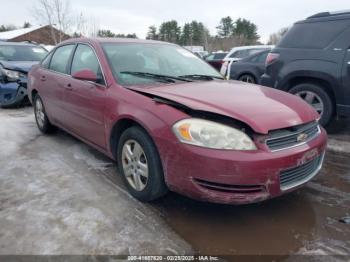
[(41, 119), (318, 98), (140, 165), (248, 78)]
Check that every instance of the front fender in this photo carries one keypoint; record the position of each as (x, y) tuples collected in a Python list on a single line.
[(12, 93)]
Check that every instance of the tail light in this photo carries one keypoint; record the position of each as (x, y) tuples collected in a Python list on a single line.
[(271, 57)]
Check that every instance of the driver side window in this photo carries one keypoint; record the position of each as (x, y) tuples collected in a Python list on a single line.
[(85, 58)]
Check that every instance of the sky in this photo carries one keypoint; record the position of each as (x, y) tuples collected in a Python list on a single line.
[(135, 16)]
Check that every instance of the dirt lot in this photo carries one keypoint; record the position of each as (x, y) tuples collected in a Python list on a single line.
[(59, 196)]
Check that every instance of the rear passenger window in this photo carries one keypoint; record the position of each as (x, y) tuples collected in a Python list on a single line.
[(261, 58), (60, 59), (313, 35), (85, 58)]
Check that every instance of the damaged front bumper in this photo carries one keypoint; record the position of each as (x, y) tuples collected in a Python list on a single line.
[(12, 93), (236, 177)]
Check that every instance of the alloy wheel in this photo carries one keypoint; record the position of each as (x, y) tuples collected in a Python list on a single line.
[(135, 165), (39, 112), (312, 99)]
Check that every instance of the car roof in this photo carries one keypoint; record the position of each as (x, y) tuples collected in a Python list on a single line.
[(17, 43), (113, 40), (327, 16), (251, 47)]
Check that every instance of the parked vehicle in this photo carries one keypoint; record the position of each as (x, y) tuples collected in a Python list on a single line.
[(197, 50), (216, 59), (249, 69), (312, 61), (201, 54), (240, 52), (15, 61), (172, 122)]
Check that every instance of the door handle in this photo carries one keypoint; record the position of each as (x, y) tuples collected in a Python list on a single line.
[(43, 78), (69, 87)]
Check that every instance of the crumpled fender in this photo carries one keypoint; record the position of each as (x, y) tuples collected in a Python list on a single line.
[(12, 93)]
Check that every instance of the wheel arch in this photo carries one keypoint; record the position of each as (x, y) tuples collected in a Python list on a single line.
[(118, 128), (33, 93), (322, 83), (248, 73)]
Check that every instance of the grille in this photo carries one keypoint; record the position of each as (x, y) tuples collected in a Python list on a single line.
[(243, 189), (291, 137), (298, 175)]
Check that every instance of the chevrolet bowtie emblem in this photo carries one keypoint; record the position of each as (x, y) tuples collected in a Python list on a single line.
[(302, 137)]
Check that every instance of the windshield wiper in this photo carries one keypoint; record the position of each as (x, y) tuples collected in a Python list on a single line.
[(167, 78), (202, 77)]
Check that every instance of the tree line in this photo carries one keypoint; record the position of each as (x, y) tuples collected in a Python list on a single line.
[(229, 32), (5, 28)]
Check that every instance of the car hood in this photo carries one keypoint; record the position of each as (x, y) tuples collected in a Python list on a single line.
[(21, 66), (262, 108)]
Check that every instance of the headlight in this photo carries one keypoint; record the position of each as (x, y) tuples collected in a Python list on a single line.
[(11, 75), (209, 134)]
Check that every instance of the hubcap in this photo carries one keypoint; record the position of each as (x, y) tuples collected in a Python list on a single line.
[(39, 112), (135, 165), (247, 79), (312, 99)]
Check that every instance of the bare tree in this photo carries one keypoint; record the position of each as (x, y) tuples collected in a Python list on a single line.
[(276, 37), (54, 13), (84, 26)]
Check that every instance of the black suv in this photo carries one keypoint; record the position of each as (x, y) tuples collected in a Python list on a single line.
[(313, 61)]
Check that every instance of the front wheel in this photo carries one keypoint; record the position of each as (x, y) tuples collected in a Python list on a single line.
[(41, 119), (140, 165), (318, 98), (247, 78)]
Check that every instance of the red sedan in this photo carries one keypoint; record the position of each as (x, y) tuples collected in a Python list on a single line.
[(172, 123)]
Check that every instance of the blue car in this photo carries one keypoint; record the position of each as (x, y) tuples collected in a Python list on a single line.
[(16, 59)]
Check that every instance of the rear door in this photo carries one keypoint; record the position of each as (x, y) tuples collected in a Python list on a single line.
[(54, 77), (84, 101)]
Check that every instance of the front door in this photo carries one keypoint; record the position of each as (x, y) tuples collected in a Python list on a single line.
[(84, 101)]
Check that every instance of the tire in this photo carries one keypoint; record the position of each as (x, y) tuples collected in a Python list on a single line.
[(248, 78), (41, 118), (133, 171), (326, 106)]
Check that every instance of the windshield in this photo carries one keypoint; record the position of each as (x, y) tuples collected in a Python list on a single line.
[(21, 53), (139, 64)]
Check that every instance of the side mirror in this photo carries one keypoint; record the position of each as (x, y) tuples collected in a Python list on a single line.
[(85, 74)]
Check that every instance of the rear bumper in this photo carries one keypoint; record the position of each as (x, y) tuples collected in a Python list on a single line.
[(233, 177), (12, 94)]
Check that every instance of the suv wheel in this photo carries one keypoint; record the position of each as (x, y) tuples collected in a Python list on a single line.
[(42, 121), (318, 99), (247, 78), (140, 166)]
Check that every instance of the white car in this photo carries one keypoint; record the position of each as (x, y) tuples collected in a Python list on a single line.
[(240, 52)]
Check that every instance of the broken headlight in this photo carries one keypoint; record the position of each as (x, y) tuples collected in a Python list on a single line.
[(11, 75), (213, 135)]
